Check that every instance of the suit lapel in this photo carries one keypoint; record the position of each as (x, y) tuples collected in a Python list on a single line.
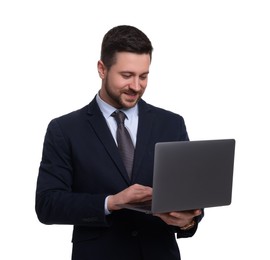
[(143, 136), (99, 125)]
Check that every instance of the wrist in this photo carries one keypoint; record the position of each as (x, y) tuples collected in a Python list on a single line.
[(189, 226), (111, 205)]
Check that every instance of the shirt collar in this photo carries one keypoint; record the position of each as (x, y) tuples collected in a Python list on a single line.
[(107, 109)]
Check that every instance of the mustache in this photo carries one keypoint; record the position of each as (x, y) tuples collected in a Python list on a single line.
[(132, 91)]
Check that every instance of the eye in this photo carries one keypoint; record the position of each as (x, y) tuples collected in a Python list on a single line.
[(143, 77), (126, 75)]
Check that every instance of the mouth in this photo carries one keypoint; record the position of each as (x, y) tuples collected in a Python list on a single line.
[(130, 98), (131, 95)]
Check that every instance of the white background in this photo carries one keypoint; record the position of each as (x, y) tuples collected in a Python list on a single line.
[(211, 64)]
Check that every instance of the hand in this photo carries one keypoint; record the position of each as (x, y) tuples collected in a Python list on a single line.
[(179, 218), (134, 193)]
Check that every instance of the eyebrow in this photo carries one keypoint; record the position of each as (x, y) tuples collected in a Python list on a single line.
[(130, 72)]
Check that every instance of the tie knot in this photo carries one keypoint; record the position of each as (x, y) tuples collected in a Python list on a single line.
[(119, 116)]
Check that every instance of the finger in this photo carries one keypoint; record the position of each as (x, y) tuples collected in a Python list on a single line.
[(198, 212)]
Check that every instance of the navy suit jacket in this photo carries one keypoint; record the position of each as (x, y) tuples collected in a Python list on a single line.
[(81, 166)]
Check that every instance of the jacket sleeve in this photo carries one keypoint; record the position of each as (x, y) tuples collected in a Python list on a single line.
[(55, 201), (190, 232)]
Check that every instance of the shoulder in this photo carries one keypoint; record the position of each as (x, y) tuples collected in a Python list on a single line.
[(168, 125), (157, 111), (78, 115), (76, 120), (71, 117)]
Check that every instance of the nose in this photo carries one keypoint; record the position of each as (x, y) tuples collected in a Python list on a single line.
[(135, 84)]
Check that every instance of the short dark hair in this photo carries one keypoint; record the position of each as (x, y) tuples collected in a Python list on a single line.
[(124, 38)]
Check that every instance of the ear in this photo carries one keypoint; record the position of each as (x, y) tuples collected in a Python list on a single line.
[(101, 69)]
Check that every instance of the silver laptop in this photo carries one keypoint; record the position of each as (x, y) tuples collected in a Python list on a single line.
[(190, 175)]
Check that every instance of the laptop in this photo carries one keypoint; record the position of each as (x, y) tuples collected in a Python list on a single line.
[(190, 175)]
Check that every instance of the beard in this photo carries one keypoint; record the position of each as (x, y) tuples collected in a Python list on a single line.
[(121, 99)]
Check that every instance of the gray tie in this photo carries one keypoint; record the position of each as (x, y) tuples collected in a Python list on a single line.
[(125, 145)]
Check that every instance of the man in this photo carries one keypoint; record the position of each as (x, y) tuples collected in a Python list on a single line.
[(83, 178)]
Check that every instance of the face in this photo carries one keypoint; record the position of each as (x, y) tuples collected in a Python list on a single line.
[(125, 82)]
